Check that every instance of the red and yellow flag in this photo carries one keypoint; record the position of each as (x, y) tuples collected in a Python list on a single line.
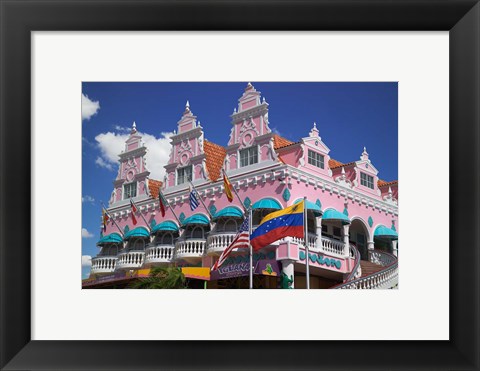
[(105, 219), (228, 187)]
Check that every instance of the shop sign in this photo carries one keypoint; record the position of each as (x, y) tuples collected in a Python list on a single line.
[(263, 267)]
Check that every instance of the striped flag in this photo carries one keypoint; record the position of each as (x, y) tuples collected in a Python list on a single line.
[(193, 199), (134, 210), (241, 241)]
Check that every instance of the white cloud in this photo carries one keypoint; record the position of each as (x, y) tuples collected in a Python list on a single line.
[(86, 261), (158, 151), (89, 107), (86, 234), (102, 163), (88, 198)]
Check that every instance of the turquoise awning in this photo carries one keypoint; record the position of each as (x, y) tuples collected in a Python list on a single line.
[(110, 238), (332, 214), (196, 219), (167, 225), (137, 232), (229, 212), (384, 232), (311, 207), (267, 203)]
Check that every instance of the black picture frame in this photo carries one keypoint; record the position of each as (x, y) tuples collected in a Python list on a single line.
[(19, 18)]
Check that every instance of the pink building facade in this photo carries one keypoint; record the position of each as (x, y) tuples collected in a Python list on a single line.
[(352, 214)]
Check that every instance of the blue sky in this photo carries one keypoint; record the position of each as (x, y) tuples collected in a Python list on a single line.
[(349, 116)]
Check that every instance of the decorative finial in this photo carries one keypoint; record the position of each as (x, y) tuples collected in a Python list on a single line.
[(314, 131), (134, 128), (314, 125), (343, 170), (389, 190), (187, 105), (364, 149), (364, 155), (234, 110)]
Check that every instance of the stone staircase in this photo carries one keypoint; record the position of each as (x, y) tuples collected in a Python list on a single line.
[(369, 268)]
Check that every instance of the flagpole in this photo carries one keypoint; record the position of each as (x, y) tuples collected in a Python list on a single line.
[(200, 197), (141, 214), (168, 206), (305, 240), (251, 249), (113, 220), (234, 190)]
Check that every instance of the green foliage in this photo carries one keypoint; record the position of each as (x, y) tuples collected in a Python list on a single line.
[(161, 278)]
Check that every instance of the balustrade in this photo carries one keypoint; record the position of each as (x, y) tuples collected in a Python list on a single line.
[(384, 279), (104, 264), (130, 259), (190, 248), (217, 242), (159, 254)]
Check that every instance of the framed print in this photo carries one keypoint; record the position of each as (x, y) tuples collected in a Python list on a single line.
[(54, 54)]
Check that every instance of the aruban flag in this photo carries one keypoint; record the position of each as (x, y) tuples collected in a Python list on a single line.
[(162, 203), (134, 210), (228, 187), (240, 241), (193, 199), (279, 224), (105, 219)]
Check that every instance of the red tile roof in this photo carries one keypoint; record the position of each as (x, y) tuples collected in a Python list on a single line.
[(382, 183), (280, 142), (154, 187), (215, 155), (334, 164)]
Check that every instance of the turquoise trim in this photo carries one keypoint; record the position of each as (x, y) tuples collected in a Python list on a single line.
[(229, 211), (137, 232), (196, 219), (247, 202), (181, 217), (384, 232), (110, 238), (370, 221), (318, 203), (286, 194), (332, 214), (393, 226), (321, 260), (212, 209), (267, 203), (317, 211), (167, 225), (345, 211), (153, 223), (126, 229)]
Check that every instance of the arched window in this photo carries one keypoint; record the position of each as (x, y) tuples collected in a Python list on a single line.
[(138, 244), (197, 232), (230, 225), (167, 239)]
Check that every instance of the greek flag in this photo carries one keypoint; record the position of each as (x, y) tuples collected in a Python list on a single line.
[(193, 199)]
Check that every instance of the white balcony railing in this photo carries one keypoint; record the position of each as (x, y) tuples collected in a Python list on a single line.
[(217, 242), (191, 248), (329, 246), (159, 254), (130, 259), (332, 247), (104, 264)]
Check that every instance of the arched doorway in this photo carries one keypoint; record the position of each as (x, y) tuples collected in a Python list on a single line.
[(359, 236)]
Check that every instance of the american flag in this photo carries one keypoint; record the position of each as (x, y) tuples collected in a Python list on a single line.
[(241, 240), (193, 199)]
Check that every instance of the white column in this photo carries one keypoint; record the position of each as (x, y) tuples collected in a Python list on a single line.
[(394, 247), (346, 229), (370, 247), (318, 244), (287, 269)]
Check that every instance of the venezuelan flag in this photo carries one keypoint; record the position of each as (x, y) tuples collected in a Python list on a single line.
[(279, 224)]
